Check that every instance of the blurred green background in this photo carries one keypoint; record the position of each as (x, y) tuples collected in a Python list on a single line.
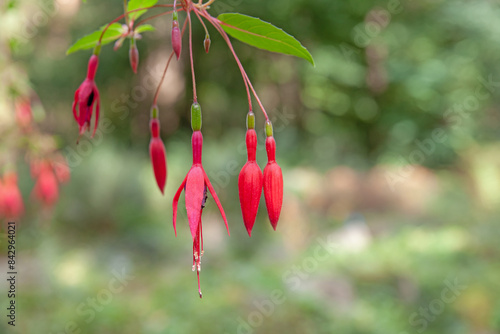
[(391, 162)]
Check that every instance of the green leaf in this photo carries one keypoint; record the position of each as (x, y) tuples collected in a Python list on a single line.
[(90, 41), (263, 35), (143, 28), (136, 4)]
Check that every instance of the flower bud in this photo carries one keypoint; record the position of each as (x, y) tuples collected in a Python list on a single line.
[(133, 56), (176, 37), (250, 190), (273, 181), (207, 43), (159, 161), (250, 180)]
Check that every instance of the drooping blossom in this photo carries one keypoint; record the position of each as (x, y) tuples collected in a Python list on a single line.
[(85, 97), (195, 187)]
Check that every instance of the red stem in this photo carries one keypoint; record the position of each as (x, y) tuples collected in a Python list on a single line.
[(155, 16), (195, 97), (216, 24), (125, 14), (166, 68)]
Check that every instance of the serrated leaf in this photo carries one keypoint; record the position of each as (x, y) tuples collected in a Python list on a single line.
[(263, 35), (90, 41), (136, 4), (144, 27)]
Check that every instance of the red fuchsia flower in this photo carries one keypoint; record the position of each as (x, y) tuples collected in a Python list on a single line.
[(23, 113), (133, 55), (176, 36), (46, 187), (10, 197), (157, 151), (250, 179), (195, 188), (85, 97), (273, 179)]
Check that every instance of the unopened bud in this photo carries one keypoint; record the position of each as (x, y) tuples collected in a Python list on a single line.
[(176, 37), (134, 56), (207, 43)]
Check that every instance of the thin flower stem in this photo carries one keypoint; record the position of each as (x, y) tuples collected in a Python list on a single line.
[(205, 5), (165, 70), (125, 10), (157, 93), (247, 81), (126, 14), (201, 21), (217, 24), (195, 97), (155, 16)]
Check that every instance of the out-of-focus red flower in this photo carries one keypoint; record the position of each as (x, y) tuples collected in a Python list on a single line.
[(23, 113), (46, 187), (61, 169), (10, 197), (85, 97)]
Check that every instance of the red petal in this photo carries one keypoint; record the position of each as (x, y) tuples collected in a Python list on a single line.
[(176, 202), (216, 199), (195, 193), (250, 189), (159, 161), (273, 191), (75, 102), (97, 109)]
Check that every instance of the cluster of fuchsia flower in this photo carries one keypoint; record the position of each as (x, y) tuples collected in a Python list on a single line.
[(49, 168), (251, 179)]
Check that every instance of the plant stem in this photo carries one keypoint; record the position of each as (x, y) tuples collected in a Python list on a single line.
[(201, 21), (247, 81), (157, 93), (195, 97), (125, 14), (125, 10), (154, 17)]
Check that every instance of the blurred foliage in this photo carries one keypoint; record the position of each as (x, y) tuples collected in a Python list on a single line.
[(407, 213)]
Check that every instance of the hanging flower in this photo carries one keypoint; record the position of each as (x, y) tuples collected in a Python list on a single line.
[(195, 188)]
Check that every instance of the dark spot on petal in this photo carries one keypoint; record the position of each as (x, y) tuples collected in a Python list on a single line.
[(90, 99), (205, 197)]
